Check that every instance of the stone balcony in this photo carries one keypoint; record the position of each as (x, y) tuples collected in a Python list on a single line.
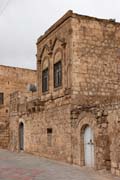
[(31, 106), (25, 103)]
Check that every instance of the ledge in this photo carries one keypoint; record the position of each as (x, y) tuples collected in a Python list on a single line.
[(54, 26), (74, 15)]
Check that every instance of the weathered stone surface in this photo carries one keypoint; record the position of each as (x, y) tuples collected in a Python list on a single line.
[(12, 79), (89, 50)]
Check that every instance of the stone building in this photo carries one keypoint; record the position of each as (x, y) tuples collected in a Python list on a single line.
[(12, 79), (75, 115)]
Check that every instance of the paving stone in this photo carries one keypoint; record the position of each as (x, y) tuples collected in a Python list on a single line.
[(22, 166)]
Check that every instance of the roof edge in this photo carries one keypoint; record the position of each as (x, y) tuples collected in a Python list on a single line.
[(68, 14), (10, 67)]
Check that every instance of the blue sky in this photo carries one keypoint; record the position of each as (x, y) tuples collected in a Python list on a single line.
[(23, 21)]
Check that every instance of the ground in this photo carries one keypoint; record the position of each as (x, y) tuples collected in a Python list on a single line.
[(22, 166)]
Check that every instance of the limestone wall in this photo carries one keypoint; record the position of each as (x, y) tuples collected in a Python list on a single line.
[(114, 135), (15, 79), (95, 57), (4, 131), (55, 115), (89, 50), (54, 47), (12, 79)]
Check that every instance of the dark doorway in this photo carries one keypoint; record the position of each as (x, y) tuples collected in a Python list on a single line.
[(21, 136)]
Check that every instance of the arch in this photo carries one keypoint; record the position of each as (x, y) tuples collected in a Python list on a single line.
[(58, 68), (43, 49), (45, 74), (45, 63), (21, 136), (58, 55), (61, 40)]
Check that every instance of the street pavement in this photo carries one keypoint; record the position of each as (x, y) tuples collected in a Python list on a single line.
[(22, 166)]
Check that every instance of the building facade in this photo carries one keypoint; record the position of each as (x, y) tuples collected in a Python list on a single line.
[(75, 115), (12, 79)]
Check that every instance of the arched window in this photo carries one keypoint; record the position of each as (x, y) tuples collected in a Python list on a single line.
[(45, 75), (45, 80), (57, 74), (58, 68)]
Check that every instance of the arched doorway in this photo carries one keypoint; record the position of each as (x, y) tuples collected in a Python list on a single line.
[(88, 147), (21, 136)]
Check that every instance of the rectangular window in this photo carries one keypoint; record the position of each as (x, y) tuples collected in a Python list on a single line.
[(58, 74), (45, 80), (1, 98), (49, 136)]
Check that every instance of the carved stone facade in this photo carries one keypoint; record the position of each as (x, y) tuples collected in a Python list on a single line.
[(55, 122)]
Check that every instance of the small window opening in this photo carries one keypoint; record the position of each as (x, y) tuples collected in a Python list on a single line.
[(1, 98), (49, 136), (33, 109)]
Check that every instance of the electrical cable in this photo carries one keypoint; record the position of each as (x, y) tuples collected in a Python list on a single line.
[(5, 6)]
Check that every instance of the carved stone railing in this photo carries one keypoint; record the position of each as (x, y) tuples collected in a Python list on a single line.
[(32, 106)]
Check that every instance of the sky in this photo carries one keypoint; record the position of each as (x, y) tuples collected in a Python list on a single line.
[(23, 21)]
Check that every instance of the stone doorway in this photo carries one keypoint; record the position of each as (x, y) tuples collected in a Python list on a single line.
[(21, 136), (88, 146)]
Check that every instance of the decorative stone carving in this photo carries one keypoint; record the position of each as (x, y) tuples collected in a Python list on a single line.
[(79, 113)]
